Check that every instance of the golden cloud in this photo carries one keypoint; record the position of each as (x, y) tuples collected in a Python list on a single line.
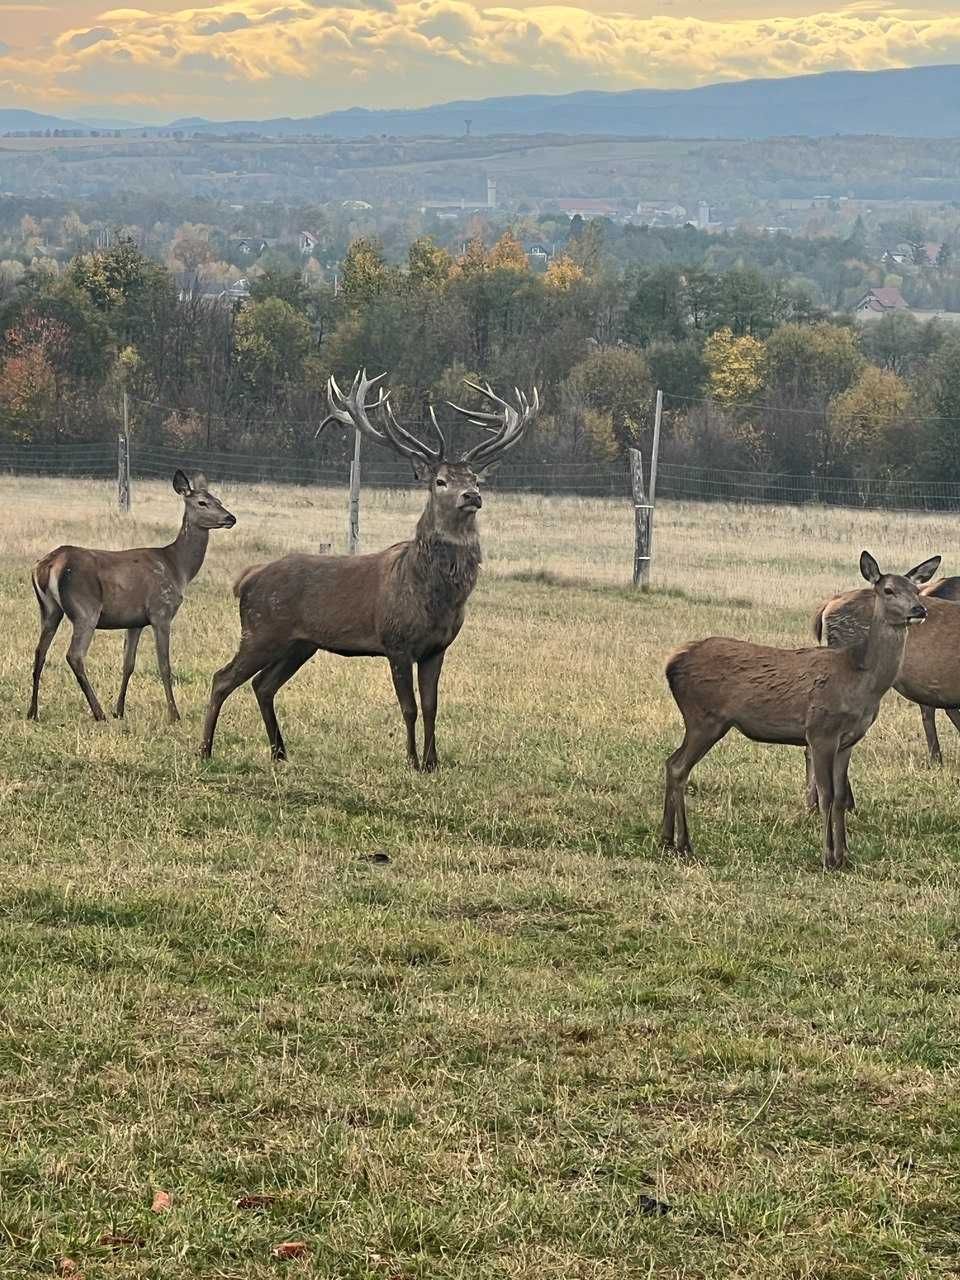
[(264, 57)]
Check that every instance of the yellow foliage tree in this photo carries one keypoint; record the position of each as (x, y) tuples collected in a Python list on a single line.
[(508, 254), (736, 366), (864, 416), (563, 273)]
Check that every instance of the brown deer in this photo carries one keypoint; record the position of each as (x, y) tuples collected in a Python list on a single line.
[(930, 674), (405, 604), (124, 591), (822, 699)]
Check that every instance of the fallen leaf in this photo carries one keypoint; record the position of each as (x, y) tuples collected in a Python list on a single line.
[(122, 1242), (162, 1202), (256, 1201), (291, 1249), (67, 1267)]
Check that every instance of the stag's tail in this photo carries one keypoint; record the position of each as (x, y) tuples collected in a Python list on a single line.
[(245, 578)]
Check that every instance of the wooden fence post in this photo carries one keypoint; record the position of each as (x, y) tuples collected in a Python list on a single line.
[(123, 459), (353, 527), (642, 512)]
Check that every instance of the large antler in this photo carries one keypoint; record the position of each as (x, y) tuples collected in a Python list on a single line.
[(507, 423), (351, 410)]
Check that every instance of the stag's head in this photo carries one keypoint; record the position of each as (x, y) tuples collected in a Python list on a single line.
[(203, 510), (453, 484)]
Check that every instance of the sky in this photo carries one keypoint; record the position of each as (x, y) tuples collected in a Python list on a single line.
[(250, 59)]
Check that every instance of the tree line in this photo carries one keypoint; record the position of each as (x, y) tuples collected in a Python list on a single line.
[(755, 375)]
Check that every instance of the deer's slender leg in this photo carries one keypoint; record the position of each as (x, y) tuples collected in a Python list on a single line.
[(161, 636), (841, 796), (824, 754), (953, 715), (697, 741), (247, 661), (402, 671), (428, 678), (130, 644), (267, 684), (83, 633), (50, 619), (928, 716), (813, 799)]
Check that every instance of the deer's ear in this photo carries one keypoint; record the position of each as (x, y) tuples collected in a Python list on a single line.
[(199, 483), (869, 568), (924, 572), (423, 472), (485, 472), (181, 483)]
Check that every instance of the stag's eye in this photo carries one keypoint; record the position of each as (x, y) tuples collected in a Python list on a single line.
[(202, 503), (888, 591), (441, 484)]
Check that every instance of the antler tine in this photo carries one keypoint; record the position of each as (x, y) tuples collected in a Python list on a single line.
[(442, 451), (403, 440), (513, 423), (352, 410)]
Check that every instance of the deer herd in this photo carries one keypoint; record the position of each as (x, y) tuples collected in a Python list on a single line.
[(407, 604)]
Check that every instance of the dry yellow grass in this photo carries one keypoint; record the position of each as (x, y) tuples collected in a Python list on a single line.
[(483, 1058)]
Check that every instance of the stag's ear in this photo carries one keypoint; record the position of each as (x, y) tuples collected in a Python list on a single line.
[(485, 472), (423, 471), (199, 483), (924, 572), (181, 483), (869, 568)]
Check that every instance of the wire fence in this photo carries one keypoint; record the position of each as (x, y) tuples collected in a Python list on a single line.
[(584, 479)]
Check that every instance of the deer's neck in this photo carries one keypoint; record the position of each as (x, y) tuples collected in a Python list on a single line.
[(447, 563), (881, 654), (186, 553)]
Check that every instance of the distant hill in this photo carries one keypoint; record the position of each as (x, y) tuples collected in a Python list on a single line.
[(14, 121), (918, 102)]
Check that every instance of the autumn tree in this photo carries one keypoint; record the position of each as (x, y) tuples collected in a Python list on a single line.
[(736, 366)]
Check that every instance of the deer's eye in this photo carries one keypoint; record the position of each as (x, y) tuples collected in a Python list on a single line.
[(888, 591), (202, 503), (441, 484)]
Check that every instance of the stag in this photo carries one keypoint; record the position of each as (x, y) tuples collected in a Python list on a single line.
[(405, 604), (124, 591), (821, 699), (930, 675)]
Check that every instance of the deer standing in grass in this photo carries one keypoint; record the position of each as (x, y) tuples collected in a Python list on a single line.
[(124, 591), (405, 604), (822, 699), (930, 674)]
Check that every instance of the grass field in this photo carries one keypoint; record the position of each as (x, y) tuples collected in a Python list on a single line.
[(493, 1055)]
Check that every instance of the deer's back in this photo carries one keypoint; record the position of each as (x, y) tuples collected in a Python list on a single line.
[(128, 587), (771, 694)]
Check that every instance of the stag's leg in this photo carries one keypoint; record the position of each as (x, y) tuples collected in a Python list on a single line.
[(697, 741), (428, 676), (129, 662), (953, 715), (929, 717), (402, 672), (161, 636), (50, 618), (267, 684), (83, 633), (249, 659), (813, 799)]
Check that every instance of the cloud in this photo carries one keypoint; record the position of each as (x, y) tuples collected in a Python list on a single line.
[(4, 49), (277, 57)]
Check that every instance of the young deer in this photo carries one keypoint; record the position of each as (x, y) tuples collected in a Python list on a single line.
[(405, 604), (126, 591), (824, 699), (930, 674)]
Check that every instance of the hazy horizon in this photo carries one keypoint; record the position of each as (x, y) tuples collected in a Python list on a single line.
[(262, 58)]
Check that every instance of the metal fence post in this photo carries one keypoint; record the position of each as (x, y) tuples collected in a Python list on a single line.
[(123, 459)]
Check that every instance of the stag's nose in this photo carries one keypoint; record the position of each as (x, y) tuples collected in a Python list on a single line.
[(471, 498)]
